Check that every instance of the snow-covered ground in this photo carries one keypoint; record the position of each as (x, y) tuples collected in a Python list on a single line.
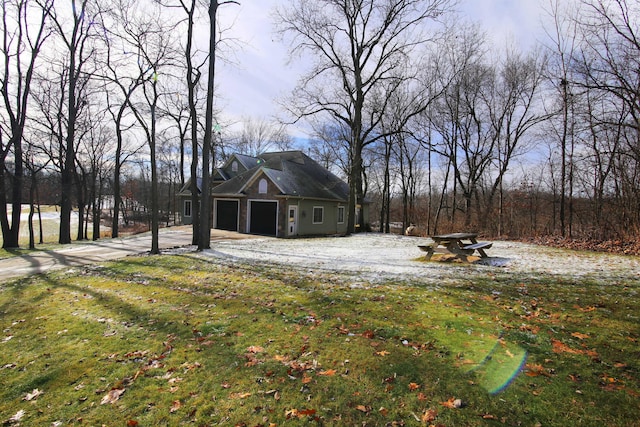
[(371, 257)]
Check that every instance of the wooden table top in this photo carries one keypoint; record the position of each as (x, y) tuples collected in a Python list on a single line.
[(455, 236)]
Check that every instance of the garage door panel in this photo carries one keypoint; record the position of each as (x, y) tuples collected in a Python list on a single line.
[(263, 218), (227, 215)]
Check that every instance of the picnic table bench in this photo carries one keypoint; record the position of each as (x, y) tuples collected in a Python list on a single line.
[(460, 245)]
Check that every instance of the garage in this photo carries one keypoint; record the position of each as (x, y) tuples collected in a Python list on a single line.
[(227, 215), (263, 217)]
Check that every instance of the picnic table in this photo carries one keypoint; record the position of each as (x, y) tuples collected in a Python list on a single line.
[(461, 245)]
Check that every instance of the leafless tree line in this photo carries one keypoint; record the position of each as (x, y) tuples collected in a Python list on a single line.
[(100, 94), (458, 135), (429, 122)]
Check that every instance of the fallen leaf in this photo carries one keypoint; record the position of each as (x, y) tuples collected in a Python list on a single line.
[(362, 408), (280, 358), (534, 370), (112, 396), (33, 395), (239, 395), (383, 411), (368, 334), (453, 403), (580, 335), (306, 413), (560, 347), (414, 386), (132, 423), (255, 349), (290, 413), (327, 373), (17, 416), (429, 415), (175, 406), (382, 353)]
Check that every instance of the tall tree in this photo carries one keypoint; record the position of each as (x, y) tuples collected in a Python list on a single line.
[(155, 54), (562, 37), (204, 241), (609, 62), (76, 31), (121, 83), (357, 47), (24, 32)]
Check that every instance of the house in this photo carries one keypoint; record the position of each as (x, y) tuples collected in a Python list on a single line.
[(283, 194)]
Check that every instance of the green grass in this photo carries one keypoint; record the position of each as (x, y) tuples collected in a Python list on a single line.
[(50, 232), (186, 341)]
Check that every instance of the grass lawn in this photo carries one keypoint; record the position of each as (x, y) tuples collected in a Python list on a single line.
[(50, 230), (180, 340)]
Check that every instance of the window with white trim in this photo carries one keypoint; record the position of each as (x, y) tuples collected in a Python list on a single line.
[(234, 166), (318, 214), (340, 214), (262, 186)]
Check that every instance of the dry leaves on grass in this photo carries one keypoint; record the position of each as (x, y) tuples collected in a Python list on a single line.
[(112, 396), (175, 406), (453, 403), (299, 413), (560, 347), (534, 370), (429, 415), (33, 395)]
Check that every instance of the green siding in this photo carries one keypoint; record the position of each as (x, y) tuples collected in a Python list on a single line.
[(329, 224)]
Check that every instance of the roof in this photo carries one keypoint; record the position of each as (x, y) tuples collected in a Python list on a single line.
[(294, 173)]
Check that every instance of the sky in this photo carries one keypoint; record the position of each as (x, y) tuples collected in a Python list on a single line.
[(259, 74)]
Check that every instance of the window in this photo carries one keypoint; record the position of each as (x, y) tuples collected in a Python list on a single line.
[(187, 208), (318, 214), (340, 214), (234, 166), (262, 186)]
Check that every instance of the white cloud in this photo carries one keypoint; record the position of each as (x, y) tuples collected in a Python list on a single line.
[(508, 20), (261, 75)]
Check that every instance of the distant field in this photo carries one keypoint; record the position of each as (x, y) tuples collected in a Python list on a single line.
[(50, 225)]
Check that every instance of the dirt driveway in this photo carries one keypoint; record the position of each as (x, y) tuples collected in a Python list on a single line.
[(89, 253)]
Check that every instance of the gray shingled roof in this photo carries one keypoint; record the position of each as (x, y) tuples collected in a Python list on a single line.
[(294, 173)]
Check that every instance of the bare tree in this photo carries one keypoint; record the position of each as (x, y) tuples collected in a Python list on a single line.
[(459, 117), (563, 42), (121, 81), (609, 62), (24, 32), (76, 31), (257, 136), (357, 47), (514, 103), (151, 36), (207, 146)]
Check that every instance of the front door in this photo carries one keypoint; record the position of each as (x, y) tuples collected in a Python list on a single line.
[(293, 220)]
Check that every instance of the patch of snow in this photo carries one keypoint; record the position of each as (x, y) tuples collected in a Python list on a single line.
[(373, 257)]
